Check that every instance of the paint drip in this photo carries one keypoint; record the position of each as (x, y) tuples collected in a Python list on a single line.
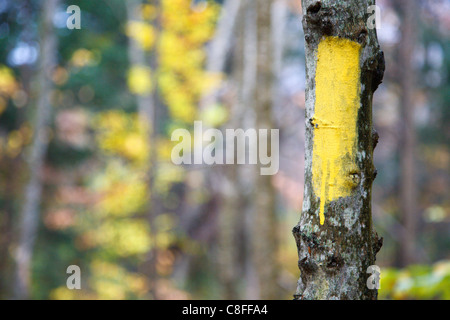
[(335, 120)]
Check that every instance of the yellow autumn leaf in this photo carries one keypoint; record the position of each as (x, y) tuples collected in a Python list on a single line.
[(82, 58), (125, 237), (8, 83), (139, 80), (215, 115), (142, 32), (148, 12)]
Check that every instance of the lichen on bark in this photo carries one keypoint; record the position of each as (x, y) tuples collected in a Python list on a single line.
[(335, 251)]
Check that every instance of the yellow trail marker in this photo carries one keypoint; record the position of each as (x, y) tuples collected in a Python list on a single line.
[(335, 119)]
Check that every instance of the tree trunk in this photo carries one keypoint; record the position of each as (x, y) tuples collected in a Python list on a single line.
[(137, 56), (407, 249), (220, 46), (264, 232), (344, 65), (32, 198), (147, 108), (217, 53), (247, 175), (227, 189), (230, 189)]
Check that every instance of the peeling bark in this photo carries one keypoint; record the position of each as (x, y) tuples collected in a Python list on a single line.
[(336, 248)]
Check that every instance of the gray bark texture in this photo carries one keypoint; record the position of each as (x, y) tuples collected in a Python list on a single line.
[(334, 256)]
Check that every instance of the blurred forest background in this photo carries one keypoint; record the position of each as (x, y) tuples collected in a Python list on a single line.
[(86, 177)]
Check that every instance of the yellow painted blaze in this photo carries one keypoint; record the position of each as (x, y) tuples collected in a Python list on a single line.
[(335, 119)]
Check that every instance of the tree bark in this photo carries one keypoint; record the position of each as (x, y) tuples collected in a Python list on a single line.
[(344, 65), (32, 198)]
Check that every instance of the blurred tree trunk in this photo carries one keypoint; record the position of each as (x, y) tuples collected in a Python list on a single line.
[(237, 180), (29, 220), (138, 57), (223, 181), (247, 175), (220, 45), (344, 66), (407, 251), (217, 54), (230, 208), (147, 104), (228, 241), (279, 18), (264, 224), (6, 223)]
